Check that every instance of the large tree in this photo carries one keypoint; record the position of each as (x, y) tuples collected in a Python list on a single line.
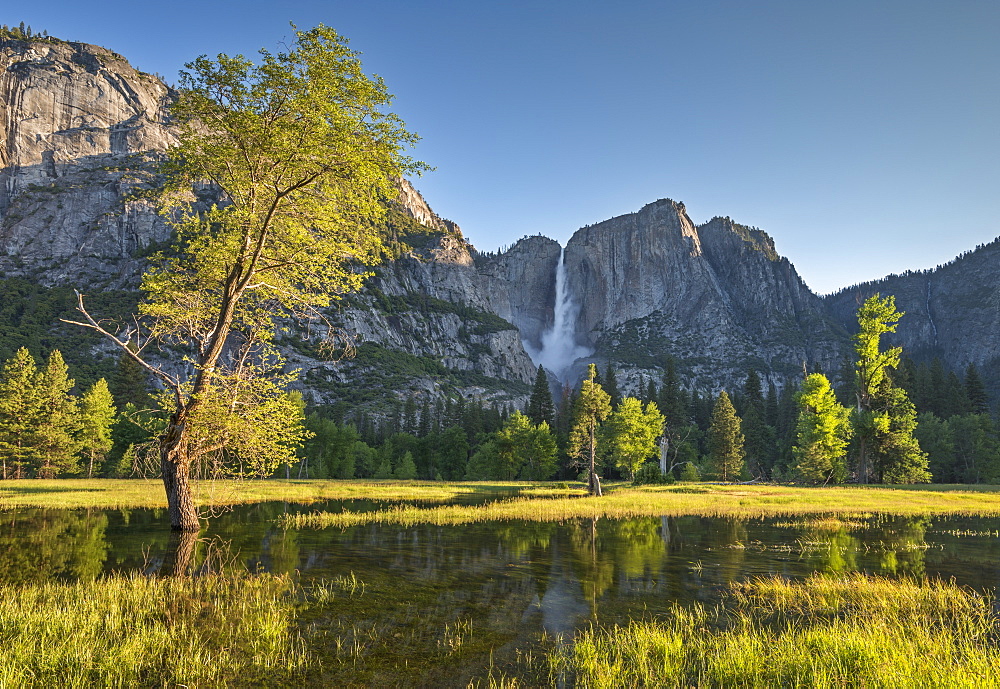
[(822, 433), (884, 418), (525, 449), (630, 434), (540, 405), (20, 407), (591, 407), (57, 424), (97, 416), (300, 155), (725, 439)]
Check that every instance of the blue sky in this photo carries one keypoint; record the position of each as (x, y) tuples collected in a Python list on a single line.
[(863, 136)]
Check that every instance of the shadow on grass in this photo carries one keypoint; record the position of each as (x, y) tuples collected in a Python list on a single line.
[(10, 491)]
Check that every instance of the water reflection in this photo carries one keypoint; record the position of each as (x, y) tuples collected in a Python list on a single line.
[(563, 574)]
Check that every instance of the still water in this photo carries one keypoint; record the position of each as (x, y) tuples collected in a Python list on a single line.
[(506, 583)]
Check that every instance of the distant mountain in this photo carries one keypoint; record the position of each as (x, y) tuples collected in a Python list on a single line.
[(83, 130), (952, 311)]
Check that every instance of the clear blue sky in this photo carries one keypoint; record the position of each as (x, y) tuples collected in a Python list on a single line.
[(864, 136)]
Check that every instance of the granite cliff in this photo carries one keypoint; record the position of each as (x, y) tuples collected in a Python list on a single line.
[(952, 312), (82, 130), (79, 127)]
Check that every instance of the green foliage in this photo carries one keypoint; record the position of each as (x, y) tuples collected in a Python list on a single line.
[(525, 450), (725, 440), (406, 469), (484, 463), (591, 407), (976, 446), (649, 473), (885, 418), (629, 435), (540, 405), (20, 407), (897, 454), (29, 317), (689, 472), (57, 422), (822, 434), (97, 416)]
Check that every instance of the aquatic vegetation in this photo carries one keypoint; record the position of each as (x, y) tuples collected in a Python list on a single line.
[(133, 630), (822, 632)]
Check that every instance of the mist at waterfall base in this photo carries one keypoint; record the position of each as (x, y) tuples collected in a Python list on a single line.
[(559, 348)]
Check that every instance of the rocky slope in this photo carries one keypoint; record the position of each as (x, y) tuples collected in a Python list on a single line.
[(82, 128), (78, 122), (717, 298), (951, 312)]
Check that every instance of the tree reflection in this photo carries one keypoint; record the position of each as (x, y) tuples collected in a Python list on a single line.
[(38, 545)]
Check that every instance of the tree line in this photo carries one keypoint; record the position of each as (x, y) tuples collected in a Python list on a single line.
[(45, 431), (894, 422)]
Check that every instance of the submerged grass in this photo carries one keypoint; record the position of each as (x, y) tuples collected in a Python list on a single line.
[(853, 631), (213, 630), (623, 502)]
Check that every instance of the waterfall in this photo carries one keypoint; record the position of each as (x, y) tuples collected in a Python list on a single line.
[(559, 347)]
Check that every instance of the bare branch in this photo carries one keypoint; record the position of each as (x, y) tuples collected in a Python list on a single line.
[(93, 324)]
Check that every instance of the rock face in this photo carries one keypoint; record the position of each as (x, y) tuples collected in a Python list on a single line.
[(82, 130), (77, 123), (717, 298), (951, 312)]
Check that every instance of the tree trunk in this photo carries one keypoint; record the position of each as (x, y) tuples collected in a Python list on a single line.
[(179, 560), (595, 483), (176, 467)]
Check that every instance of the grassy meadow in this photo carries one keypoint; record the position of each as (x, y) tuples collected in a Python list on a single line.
[(846, 631), (538, 500), (249, 628), (713, 500)]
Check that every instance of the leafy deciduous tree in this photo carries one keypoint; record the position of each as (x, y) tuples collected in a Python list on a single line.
[(303, 155), (630, 433), (823, 432)]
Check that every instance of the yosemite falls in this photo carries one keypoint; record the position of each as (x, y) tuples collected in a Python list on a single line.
[(559, 347)]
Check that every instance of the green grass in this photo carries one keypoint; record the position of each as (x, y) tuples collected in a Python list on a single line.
[(625, 502), (539, 501), (136, 631), (137, 493), (852, 631)]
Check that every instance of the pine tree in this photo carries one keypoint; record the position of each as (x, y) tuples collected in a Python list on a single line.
[(725, 439), (671, 397), (20, 407), (424, 428), (97, 416), (593, 406), (611, 385), (57, 422), (652, 395), (760, 437), (975, 391), (540, 406), (408, 423), (823, 432)]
